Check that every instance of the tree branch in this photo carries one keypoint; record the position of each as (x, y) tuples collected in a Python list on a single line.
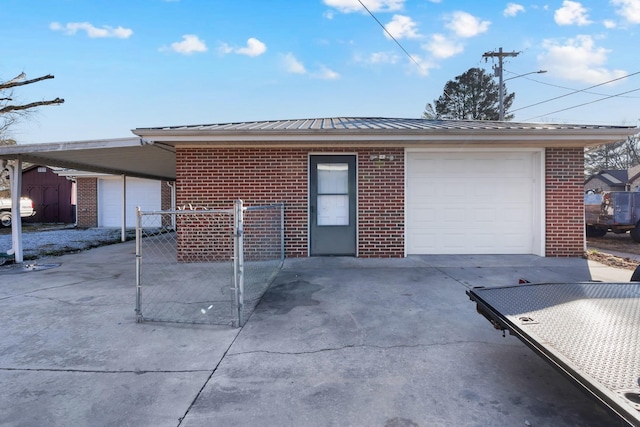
[(12, 108), (13, 83)]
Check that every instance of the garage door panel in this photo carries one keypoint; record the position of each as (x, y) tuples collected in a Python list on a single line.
[(466, 203), (140, 192), (485, 216)]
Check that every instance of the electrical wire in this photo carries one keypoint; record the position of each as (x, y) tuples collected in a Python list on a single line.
[(582, 105), (399, 44), (392, 37), (579, 91), (570, 88)]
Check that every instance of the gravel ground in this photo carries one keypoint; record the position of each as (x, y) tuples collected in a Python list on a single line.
[(43, 241)]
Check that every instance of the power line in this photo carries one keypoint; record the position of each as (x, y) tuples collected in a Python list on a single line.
[(582, 105), (578, 91), (568, 88), (392, 37)]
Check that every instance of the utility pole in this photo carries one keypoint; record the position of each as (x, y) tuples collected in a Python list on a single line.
[(498, 72)]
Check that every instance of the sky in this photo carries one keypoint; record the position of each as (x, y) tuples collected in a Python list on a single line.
[(126, 64)]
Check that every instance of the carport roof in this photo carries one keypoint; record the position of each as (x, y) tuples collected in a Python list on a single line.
[(128, 156), (152, 153)]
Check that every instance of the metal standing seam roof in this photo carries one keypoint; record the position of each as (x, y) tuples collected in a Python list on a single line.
[(151, 154), (374, 124)]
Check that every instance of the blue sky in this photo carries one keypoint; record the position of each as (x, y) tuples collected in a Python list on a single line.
[(122, 64)]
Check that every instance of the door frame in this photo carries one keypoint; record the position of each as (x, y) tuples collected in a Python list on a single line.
[(309, 201)]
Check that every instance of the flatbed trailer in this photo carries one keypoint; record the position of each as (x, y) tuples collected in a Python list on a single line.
[(589, 331)]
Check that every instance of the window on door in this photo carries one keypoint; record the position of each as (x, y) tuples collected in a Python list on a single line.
[(333, 194)]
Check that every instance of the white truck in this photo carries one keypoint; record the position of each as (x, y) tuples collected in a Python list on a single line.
[(26, 210)]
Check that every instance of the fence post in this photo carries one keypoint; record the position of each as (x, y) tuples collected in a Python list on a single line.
[(138, 265), (239, 260)]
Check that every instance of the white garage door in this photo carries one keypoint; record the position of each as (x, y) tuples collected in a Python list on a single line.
[(140, 192), (472, 203)]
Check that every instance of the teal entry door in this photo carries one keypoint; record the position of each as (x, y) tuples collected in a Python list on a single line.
[(332, 205)]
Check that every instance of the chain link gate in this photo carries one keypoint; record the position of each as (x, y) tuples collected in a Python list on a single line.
[(206, 266)]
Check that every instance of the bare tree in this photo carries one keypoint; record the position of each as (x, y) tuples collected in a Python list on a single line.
[(620, 155), (11, 112)]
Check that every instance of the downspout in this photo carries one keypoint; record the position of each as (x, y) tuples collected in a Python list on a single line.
[(172, 185), (74, 199)]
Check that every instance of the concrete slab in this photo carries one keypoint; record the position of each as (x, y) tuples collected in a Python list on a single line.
[(72, 353), (375, 342), (335, 341)]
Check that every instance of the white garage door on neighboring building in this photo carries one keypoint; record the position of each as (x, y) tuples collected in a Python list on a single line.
[(486, 202), (140, 192)]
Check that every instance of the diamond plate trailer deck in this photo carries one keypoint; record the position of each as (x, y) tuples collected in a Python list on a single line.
[(590, 331)]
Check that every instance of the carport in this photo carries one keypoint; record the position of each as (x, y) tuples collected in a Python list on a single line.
[(128, 157)]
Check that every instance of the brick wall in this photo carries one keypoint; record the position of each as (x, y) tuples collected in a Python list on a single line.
[(215, 177), (87, 203), (381, 206), (565, 202)]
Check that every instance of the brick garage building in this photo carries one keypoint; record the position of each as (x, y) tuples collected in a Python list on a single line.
[(371, 187), (374, 187)]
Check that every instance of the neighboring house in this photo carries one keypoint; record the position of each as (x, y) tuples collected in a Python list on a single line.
[(52, 195), (608, 180), (634, 178), (99, 197), (614, 180), (370, 187)]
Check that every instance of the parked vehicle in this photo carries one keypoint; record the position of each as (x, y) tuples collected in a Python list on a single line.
[(615, 211), (26, 210)]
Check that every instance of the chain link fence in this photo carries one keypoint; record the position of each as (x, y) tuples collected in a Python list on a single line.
[(206, 266)]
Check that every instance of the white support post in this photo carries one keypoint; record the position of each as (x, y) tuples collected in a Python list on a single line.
[(123, 236), (15, 176)]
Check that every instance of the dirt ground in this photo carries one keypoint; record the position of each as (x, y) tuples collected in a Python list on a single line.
[(598, 250)]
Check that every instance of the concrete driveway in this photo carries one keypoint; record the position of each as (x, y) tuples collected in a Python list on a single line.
[(334, 342)]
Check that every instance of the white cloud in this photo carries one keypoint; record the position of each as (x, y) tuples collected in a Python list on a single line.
[(292, 65), (609, 24), (512, 9), (442, 47), (224, 48), (349, 6), (325, 73), (578, 59), (402, 27), (466, 25), (383, 58), (72, 28), (254, 48), (628, 9), (572, 13), (190, 44)]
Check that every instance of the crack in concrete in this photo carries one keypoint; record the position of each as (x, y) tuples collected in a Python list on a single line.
[(380, 347), (98, 371), (81, 282)]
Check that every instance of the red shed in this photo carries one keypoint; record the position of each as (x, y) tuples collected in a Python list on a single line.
[(51, 195)]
